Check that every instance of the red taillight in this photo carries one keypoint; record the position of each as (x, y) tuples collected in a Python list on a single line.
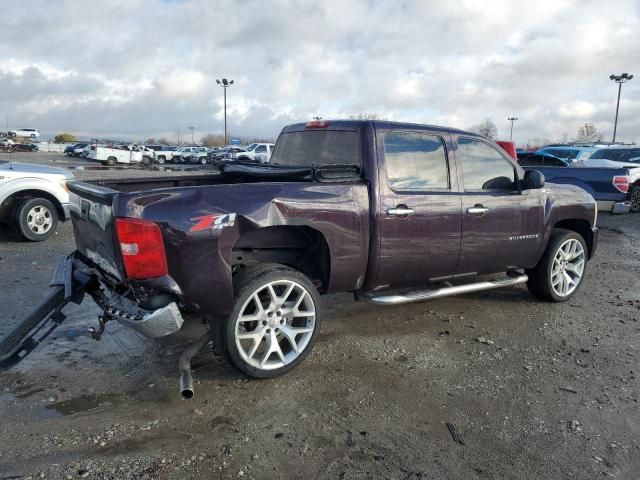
[(142, 248), (317, 124), (621, 182)]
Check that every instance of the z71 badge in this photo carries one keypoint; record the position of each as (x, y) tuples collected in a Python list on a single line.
[(213, 222)]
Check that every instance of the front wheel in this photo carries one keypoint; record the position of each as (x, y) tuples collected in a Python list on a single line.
[(161, 160), (275, 320), (37, 219), (203, 160), (561, 269)]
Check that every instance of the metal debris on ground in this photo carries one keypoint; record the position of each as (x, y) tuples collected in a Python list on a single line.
[(455, 434)]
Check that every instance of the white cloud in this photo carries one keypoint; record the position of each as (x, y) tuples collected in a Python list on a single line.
[(143, 67)]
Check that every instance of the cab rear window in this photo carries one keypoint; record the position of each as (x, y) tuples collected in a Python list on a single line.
[(317, 148)]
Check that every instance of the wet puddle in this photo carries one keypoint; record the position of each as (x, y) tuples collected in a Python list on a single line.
[(85, 403)]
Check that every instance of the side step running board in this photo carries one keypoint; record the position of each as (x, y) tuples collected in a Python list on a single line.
[(515, 278)]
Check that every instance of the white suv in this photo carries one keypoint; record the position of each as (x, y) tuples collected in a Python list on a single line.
[(25, 132)]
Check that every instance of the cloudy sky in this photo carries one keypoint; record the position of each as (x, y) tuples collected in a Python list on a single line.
[(141, 68)]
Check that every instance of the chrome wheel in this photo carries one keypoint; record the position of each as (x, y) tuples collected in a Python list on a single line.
[(275, 324), (39, 220), (568, 267)]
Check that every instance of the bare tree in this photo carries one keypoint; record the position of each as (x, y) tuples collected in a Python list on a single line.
[(178, 137), (366, 116), (212, 140), (589, 133), (486, 128)]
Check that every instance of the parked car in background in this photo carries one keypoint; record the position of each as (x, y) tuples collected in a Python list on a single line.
[(33, 198), (25, 132), (225, 154), (570, 153), (26, 147), (195, 155), (111, 155), (75, 150), (183, 152), (256, 152), (617, 153), (615, 186), (163, 153)]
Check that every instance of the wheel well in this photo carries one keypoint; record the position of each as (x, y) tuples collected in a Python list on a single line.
[(581, 227), (302, 248), (13, 200)]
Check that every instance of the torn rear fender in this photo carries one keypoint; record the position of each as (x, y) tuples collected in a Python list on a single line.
[(202, 224)]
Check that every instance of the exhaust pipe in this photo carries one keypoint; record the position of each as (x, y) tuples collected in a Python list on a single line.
[(186, 380)]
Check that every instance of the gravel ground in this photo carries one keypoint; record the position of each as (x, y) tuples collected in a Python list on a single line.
[(534, 390)]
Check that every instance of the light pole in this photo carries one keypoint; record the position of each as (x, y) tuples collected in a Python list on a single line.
[(192, 129), (224, 83), (512, 119), (619, 79)]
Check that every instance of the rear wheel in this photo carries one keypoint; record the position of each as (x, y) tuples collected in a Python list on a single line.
[(111, 161), (203, 160), (146, 161), (161, 159), (37, 219), (635, 199), (275, 320), (561, 269)]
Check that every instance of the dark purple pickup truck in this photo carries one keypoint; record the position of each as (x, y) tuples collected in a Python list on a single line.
[(394, 212)]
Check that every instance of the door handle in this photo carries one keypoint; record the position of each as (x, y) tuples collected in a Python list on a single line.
[(478, 210), (400, 211)]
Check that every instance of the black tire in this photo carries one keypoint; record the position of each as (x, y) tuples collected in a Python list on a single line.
[(146, 161), (161, 159), (33, 135), (246, 283), (11, 134), (540, 283), (49, 215), (203, 160), (111, 161), (634, 195)]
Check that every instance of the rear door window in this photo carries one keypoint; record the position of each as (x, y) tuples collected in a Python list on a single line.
[(415, 161)]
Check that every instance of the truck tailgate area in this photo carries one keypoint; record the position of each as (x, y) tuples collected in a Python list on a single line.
[(93, 225)]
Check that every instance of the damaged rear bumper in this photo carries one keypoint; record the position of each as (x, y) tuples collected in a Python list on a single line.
[(73, 278)]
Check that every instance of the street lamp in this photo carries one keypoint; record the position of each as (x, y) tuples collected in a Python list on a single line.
[(512, 119), (224, 83), (192, 129), (619, 79)]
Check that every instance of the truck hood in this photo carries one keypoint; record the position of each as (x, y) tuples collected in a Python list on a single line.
[(18, 169)]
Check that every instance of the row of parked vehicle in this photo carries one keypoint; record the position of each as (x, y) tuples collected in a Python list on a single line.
[(147, 154), (610, 173)]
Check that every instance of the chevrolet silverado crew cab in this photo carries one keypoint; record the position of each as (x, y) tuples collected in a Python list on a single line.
[(394, 212)]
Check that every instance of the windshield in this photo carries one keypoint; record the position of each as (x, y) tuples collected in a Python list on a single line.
[(251, 147), (616, 154), (317, 148)]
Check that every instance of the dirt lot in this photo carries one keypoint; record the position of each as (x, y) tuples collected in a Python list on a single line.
[(549, 391)]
